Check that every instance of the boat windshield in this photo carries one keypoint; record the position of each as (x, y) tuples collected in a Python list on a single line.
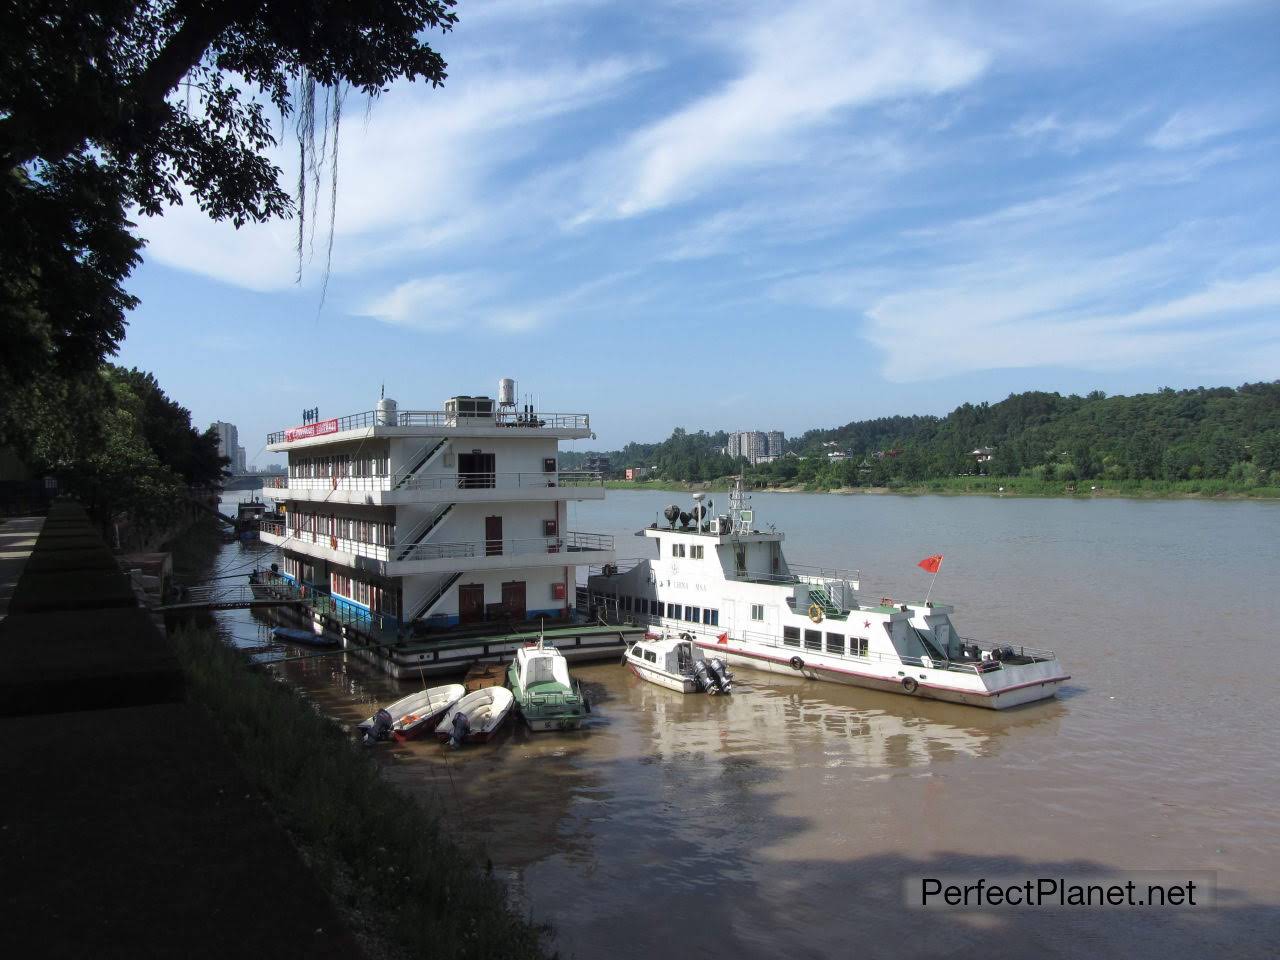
[(544, 670), (930, 647)]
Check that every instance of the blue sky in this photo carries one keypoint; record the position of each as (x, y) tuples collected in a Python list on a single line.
[(761, 216)]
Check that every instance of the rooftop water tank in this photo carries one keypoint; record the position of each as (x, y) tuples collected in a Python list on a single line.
[(386, 415), (506, 392)]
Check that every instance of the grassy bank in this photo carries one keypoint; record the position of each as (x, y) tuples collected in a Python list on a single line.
[(381, 854), (1008, 486)]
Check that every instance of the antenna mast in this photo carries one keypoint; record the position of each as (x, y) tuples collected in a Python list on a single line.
[(741, 517)]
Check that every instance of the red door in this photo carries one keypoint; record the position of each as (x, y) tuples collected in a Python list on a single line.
[(492, 536), (471, 603), (513, 599)]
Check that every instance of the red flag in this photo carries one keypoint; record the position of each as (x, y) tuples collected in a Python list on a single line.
[(723, 638), (931, 564)]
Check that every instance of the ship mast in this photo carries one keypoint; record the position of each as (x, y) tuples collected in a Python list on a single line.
[(741, 517)]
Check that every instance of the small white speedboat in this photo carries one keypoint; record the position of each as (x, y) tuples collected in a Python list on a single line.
[(476, 717), (679, 664), (414, 715)]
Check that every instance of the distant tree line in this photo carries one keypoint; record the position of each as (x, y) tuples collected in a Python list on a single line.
[(1205, 433)]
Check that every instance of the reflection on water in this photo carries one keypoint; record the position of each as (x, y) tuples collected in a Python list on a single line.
[(782, 820)]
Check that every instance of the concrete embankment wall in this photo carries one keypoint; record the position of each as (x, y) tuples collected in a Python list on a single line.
[(128, 828)]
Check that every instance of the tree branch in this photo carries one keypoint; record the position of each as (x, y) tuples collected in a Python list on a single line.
[(145, 97)]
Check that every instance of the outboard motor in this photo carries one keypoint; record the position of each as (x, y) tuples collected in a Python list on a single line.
[(702, 676), (381, 729), (684, 520), (721, 674), (461, 727), (672, 513)]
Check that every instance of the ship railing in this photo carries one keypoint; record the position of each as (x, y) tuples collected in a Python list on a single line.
[(445, 418), (504, 481), (366, 484), (359, 548), (712, 634), (798, 573), (570, 542), (1031, 654)]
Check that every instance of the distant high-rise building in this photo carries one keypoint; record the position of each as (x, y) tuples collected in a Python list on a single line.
[(229, 444), (776, 442), (754, 445)]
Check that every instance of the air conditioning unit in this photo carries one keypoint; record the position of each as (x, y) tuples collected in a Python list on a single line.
[(550, 528)]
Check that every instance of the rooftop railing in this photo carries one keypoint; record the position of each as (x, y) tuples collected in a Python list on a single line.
[(446, 419)]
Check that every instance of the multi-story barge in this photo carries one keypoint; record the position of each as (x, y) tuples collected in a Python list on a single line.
[(432, 539)]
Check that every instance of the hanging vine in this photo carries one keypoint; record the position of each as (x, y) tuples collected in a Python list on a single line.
[(313, 159)]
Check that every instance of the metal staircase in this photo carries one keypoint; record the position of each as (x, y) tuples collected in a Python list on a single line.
[(823, 599), (422, 531), (405, 478), (436, 596)]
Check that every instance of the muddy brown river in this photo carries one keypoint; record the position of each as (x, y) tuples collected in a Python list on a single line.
[(789, 819)]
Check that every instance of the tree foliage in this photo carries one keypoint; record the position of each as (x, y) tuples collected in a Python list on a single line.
[(114, 106), (137, 456), (1170, 435)]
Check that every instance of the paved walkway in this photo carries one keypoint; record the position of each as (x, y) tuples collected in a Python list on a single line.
[(127, 828), (17, 538)]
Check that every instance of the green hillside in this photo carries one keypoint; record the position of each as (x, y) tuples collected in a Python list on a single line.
[(1220, 433)]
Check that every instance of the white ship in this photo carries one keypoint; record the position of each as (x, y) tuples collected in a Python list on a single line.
[(728, 584)]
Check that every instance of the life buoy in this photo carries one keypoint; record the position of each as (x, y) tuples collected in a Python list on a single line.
[(797, 663), (333, 543), (335, 483), (815, 612), (909, 684)]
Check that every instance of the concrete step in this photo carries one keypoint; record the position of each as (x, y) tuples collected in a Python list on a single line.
[(84, 660)]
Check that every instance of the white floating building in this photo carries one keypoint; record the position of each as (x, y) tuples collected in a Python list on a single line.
[(426, 525)]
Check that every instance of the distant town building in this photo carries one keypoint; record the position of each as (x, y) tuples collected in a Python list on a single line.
[(597, 465), (983, 454), (637, 473), (755, 446), (229, 444), (837, 455)]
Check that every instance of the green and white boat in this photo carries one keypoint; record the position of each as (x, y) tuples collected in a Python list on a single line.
[(546, 696)]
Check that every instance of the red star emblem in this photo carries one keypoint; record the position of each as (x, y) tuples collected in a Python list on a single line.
[(867, 624)]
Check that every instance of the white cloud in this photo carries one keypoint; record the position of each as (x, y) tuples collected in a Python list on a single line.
[(1042, 313), (1070, 135), (1196, 125), (440, 302), (419, 173), (800, 70), (478, 299)]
